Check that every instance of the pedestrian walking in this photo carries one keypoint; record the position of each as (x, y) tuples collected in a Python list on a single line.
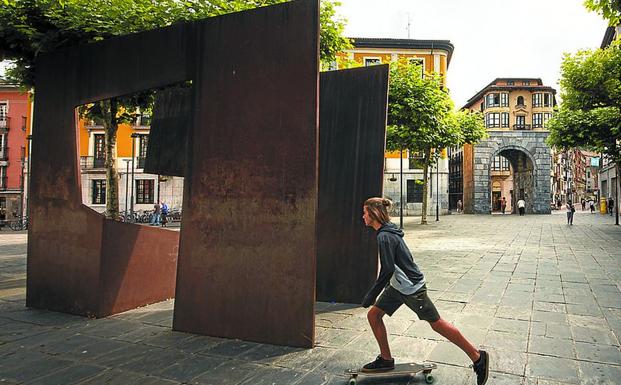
[(459, 206), (570, 213), (503, 205), (521, 206), (592, 206), (400, 281), (583, 203), (164, 211), (558, 203), (155, 219), (611, 205)]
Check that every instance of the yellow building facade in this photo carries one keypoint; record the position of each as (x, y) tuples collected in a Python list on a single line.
[(434, 57)]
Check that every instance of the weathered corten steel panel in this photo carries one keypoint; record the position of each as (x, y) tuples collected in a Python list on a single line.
[(352, 133), (248, 242), (172, 119), (76, 262)]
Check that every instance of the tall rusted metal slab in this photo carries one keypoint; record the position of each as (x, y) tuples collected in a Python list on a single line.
[(248, 242), (353, 105), (79, 262), (168, 135)]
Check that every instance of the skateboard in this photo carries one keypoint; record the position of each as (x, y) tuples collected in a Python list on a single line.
[(409, 369)]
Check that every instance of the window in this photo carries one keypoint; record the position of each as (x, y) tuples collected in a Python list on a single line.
[(492, 120), (500, 163), (504, 119), (546, 116), (526, 83), (144, 190), (4, 111), (536, 100), (504, 100), (416, 160), (520, 101), (510, 82), (99, 154), (547, 100), (420, 62), (414, 191), (143, 143), (369, 61), (520, 121), (537, 120), (144, 119), (493, 100), (99, 192)]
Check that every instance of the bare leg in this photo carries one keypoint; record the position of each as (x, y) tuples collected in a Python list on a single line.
[(451, 333), (374, 316)]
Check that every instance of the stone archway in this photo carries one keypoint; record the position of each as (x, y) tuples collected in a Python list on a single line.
[(530, 160), (524, 173)]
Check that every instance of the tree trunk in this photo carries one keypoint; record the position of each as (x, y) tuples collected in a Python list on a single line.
[(423, 220), (112, 180)]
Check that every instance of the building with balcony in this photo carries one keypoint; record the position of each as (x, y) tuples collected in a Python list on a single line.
[(514, 162), (433, 56), (134, 184), (15, 113)]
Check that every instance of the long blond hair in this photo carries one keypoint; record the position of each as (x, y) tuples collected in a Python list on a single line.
[(378, 209)]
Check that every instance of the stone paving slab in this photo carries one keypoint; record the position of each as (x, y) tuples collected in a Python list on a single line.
[(542, 297)]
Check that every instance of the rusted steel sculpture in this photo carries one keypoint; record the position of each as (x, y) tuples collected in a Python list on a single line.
[(248, 243), (352, 133), (246, 262)]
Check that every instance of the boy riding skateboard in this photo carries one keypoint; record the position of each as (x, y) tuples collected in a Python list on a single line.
[(401, 282)]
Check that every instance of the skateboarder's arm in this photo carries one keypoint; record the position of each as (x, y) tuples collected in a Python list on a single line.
[(387, 260)]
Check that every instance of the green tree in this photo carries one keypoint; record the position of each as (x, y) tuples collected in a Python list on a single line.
[(421, 118), (590, 115), (608, 9), (32, 27)]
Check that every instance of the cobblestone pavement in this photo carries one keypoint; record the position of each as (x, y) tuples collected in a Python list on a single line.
[(542, 297)]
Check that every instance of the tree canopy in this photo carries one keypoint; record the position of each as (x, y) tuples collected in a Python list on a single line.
[(608, 9), (421, 117), (32, 27), (590, 115)]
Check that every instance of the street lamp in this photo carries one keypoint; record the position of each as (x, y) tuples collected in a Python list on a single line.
[(29, 139), (127, 161), (133, 136), (401, 188), (437, 155)]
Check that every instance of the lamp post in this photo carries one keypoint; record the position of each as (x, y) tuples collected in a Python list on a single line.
[(437, 155), (127, 161), (133, 136), (401, 188), (29, 139)]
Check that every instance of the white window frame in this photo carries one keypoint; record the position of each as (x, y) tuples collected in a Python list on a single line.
[(365, 58), (420, 60)]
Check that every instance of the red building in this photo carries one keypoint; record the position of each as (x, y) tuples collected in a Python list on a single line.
[(14, 122)]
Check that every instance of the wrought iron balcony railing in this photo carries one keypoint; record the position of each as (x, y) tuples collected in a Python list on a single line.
[(91, 162), (521, 127)]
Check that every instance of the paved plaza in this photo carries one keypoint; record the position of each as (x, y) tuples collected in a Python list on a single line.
[(542, 297)]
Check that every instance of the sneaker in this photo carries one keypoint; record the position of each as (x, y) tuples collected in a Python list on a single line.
[(481, 367), (379, 365)]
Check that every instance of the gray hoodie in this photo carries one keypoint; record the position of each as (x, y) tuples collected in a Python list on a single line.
[(397, 265)]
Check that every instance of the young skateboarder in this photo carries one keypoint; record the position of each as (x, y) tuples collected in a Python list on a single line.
[(403, 283)]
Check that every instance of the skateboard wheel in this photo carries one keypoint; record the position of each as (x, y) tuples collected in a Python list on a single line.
[(429, 379), (352, 381)]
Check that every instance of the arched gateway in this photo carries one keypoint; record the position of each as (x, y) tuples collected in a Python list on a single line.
[(530, 160)]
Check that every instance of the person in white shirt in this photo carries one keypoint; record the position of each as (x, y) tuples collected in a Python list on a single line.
[(521, 204)]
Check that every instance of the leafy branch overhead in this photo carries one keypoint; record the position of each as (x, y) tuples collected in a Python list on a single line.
[(590, 116), (32, 27)]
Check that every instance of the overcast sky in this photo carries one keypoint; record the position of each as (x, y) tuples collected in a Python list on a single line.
[(492, 38)]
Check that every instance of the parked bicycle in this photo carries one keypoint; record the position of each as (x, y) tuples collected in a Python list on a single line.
[(21, 223)]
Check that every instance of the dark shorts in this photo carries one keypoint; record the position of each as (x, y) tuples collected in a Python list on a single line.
[(391, 299)]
